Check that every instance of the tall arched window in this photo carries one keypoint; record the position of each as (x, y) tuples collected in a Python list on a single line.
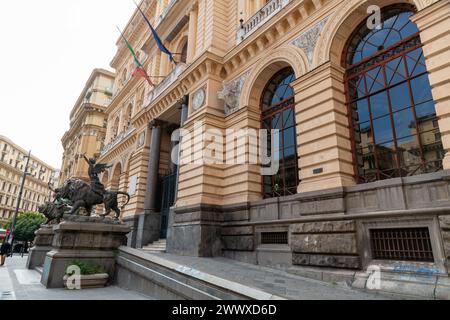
[(115, 128), (129, 116), (278, 112), (184, 51), (395, 128)]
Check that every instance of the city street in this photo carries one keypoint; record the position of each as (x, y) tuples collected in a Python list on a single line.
[(19, 283)]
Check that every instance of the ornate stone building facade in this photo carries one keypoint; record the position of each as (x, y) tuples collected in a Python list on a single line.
[(363, 115), (12, 166), (87, 125)]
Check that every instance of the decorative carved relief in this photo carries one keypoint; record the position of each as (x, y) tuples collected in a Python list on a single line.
[(199, 98), (231, 93), (307, 40)]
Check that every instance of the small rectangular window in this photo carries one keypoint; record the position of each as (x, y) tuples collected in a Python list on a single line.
[(402, 244), (274, 238)]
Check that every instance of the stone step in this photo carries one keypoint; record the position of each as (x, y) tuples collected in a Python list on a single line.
[(145, 272), (154, 249)]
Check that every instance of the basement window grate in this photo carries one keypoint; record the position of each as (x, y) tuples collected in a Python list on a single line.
[(274, 238), (403, 244)]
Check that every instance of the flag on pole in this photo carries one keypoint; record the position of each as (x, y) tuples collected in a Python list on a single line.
[(158, 40), (140, 71)]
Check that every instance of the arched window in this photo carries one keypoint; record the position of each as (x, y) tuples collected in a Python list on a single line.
[(395, 128), (124, 75), (278, 112), (115, 128), (129, 116), (184, 51)]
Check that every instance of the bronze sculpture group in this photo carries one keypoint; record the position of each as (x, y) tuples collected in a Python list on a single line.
[(76, 194)]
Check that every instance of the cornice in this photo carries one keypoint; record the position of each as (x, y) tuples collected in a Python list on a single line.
[(95, 73), (120, 148), (206, 65), (20, 173), (34, 158)]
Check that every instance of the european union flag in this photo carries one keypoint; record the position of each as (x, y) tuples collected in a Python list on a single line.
[(158, 41)]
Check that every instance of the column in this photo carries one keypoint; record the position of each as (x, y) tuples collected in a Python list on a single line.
[(153, 168), (192, 37), (434, 23), (149, 221)]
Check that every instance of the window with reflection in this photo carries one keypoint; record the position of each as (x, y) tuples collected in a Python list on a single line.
[(395, 128), (278, 112)]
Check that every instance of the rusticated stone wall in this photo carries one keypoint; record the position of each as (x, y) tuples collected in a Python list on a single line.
[(444, 222), (325, 244)]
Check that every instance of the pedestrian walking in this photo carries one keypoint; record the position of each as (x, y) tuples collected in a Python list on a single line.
[(4, 251)]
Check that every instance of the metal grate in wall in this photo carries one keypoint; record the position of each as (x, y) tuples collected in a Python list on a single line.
[(274, 238), (404, 244)]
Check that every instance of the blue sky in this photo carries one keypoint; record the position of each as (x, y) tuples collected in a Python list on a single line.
[(48, 50)]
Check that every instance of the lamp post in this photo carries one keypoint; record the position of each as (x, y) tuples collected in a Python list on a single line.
[(19, 199)]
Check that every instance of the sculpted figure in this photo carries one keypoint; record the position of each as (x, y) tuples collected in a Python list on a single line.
[(76, 194), (94, 170), (53, 211)]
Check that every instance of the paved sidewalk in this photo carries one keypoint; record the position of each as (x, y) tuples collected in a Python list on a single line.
[(273, 281), (19, 283)]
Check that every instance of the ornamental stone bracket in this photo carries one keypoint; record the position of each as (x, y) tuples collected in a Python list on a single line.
[(231, 93), (307, 40)]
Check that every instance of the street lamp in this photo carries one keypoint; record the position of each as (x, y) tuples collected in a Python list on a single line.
[(19, 199)]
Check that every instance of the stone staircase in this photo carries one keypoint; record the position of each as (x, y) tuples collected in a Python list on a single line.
[(156, 247)]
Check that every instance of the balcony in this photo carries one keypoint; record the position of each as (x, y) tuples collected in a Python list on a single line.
[(122, 136), (260, 18), (167, 82)]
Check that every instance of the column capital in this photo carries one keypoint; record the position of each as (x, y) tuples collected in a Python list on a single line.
[(156, 123)]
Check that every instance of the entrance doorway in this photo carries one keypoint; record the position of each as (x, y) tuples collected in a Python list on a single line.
[(168, 188)]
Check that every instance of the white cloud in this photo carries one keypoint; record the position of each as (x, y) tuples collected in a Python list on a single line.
[(48, 50)]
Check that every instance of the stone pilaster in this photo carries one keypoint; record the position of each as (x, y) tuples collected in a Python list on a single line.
[(192, 44), (434, 25), (323, 136)]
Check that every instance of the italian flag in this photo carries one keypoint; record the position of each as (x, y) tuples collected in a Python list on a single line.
[(140, 71)]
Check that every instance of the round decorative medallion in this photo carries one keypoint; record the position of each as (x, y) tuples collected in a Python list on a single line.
[(198, 99)]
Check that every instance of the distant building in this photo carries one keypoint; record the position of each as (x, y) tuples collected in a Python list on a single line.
[(12, 165), (87, 125)]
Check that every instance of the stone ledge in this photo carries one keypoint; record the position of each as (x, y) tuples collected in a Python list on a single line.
[(233, 287), (324, 227), (415, 285)]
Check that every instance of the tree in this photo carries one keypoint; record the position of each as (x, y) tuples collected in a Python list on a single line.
[(27, 224)]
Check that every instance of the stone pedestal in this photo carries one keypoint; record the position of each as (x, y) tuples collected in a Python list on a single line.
[(196, 231), (42, 245), (83, 239)]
